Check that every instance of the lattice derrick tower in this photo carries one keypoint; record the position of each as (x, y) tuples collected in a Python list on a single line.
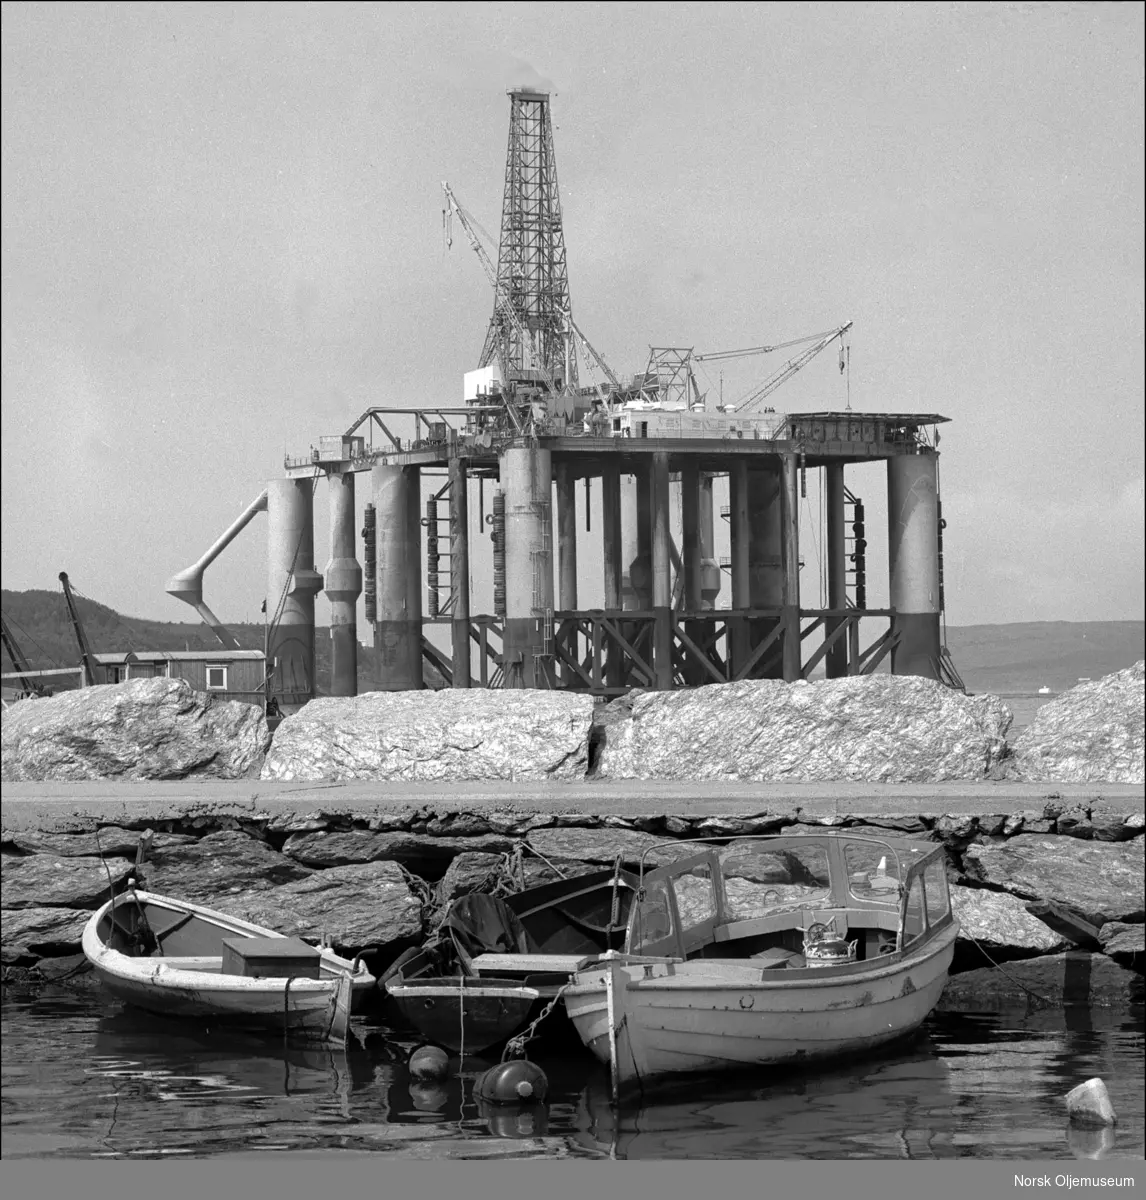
[(531, 264)]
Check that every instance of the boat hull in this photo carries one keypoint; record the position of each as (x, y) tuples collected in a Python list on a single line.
[(194, 986), (710, 1015), (470, 1018)]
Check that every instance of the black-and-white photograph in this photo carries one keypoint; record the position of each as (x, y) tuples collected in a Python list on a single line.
[(573, 588)]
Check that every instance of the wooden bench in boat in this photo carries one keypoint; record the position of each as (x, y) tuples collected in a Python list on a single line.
[(530, 964)]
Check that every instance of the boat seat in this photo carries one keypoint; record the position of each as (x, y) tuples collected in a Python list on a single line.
[(775, 957)]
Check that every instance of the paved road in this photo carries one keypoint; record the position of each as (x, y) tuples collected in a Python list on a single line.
[(44, 805)]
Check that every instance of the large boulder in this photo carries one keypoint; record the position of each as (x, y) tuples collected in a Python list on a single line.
[(338, 849), (44, 881), (1095, 733), (218, 865), (436, 736), (110, 841), (602, 846), (1103, 881), (890, 729), (33, 932), (1126, 944), (1074, 978), (999, 923), (142, 729), (357, 906)]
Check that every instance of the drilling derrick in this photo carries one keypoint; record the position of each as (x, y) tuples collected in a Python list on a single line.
[(531, 268)]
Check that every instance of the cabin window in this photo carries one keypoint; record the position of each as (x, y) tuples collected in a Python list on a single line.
[(695, 897), (216, 679), (873, 871), (114, 674), (935, 887), (914, 921), (759, 880), (652, 920)]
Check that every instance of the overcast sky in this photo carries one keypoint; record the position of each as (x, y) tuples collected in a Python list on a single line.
[(222, 239)]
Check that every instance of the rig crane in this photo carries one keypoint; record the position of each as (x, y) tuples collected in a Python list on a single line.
[(820, 341), (504, 304), (20, 663), (92, 669)]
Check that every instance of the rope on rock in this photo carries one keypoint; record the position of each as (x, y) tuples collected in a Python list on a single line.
[(1016, 982)]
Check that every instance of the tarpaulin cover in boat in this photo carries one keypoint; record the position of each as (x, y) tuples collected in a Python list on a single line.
[(481, 924)]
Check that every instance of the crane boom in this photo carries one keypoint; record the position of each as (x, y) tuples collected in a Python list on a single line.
[(503, 302), (791, 367), (92, 669), (19, 662)]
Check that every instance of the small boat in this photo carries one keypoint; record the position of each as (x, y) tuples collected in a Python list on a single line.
[(779, 950), (495, 963), (176, 958)]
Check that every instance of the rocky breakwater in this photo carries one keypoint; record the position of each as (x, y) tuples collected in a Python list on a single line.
[(375, 883), (433, 736), (1095, 733), (889, 729), (142, 729)]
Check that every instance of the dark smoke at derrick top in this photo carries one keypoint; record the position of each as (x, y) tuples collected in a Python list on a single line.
[(532, 274)]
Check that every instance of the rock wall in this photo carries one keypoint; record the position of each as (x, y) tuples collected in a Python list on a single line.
[(1095, 733), (142, 729), (426, 736), (375, 883), (890, 729)]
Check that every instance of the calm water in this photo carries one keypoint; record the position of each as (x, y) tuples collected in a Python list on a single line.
[(83, 1076)]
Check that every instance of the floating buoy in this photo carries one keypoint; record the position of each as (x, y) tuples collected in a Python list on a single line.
[(429, 1097), (429, 1062), (515, 1120), (1089, 1104), (512, 1082)]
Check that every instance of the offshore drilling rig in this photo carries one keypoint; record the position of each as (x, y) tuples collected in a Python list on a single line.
[(530, 429)]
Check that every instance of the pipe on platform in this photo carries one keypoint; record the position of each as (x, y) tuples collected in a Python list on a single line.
[(913, 562), (527, 478), (292, 583), (187, 585), (343, 586), (398, 629), (460, 571), (765, 555), (836, 664)]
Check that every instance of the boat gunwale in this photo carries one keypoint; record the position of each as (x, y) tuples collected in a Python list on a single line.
[(771, 979)]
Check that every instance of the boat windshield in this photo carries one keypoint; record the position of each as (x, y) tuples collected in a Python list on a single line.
[(762, 878)]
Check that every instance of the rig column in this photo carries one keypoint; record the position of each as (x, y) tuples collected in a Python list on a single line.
[(630, 544), (343, 586), (292, 583), (611, 546), (709, 567), (460, 570), (691, 550), (765, 555), (566, 548), (913, 562), (738, 536), (398, 631), (836, 664), (661, 571), (790, 524), (527, 477)]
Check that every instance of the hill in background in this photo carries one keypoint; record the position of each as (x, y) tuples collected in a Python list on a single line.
[(990, 658)]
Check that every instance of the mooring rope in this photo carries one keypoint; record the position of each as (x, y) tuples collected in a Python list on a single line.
[(998, 967)]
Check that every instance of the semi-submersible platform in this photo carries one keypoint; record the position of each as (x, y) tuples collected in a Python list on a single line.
[(529, 429)]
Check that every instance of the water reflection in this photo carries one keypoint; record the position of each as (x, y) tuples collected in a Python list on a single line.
[(86, 1077)]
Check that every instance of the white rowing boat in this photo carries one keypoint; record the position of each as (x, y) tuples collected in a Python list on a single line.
[(180, 959), (846, 947)]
